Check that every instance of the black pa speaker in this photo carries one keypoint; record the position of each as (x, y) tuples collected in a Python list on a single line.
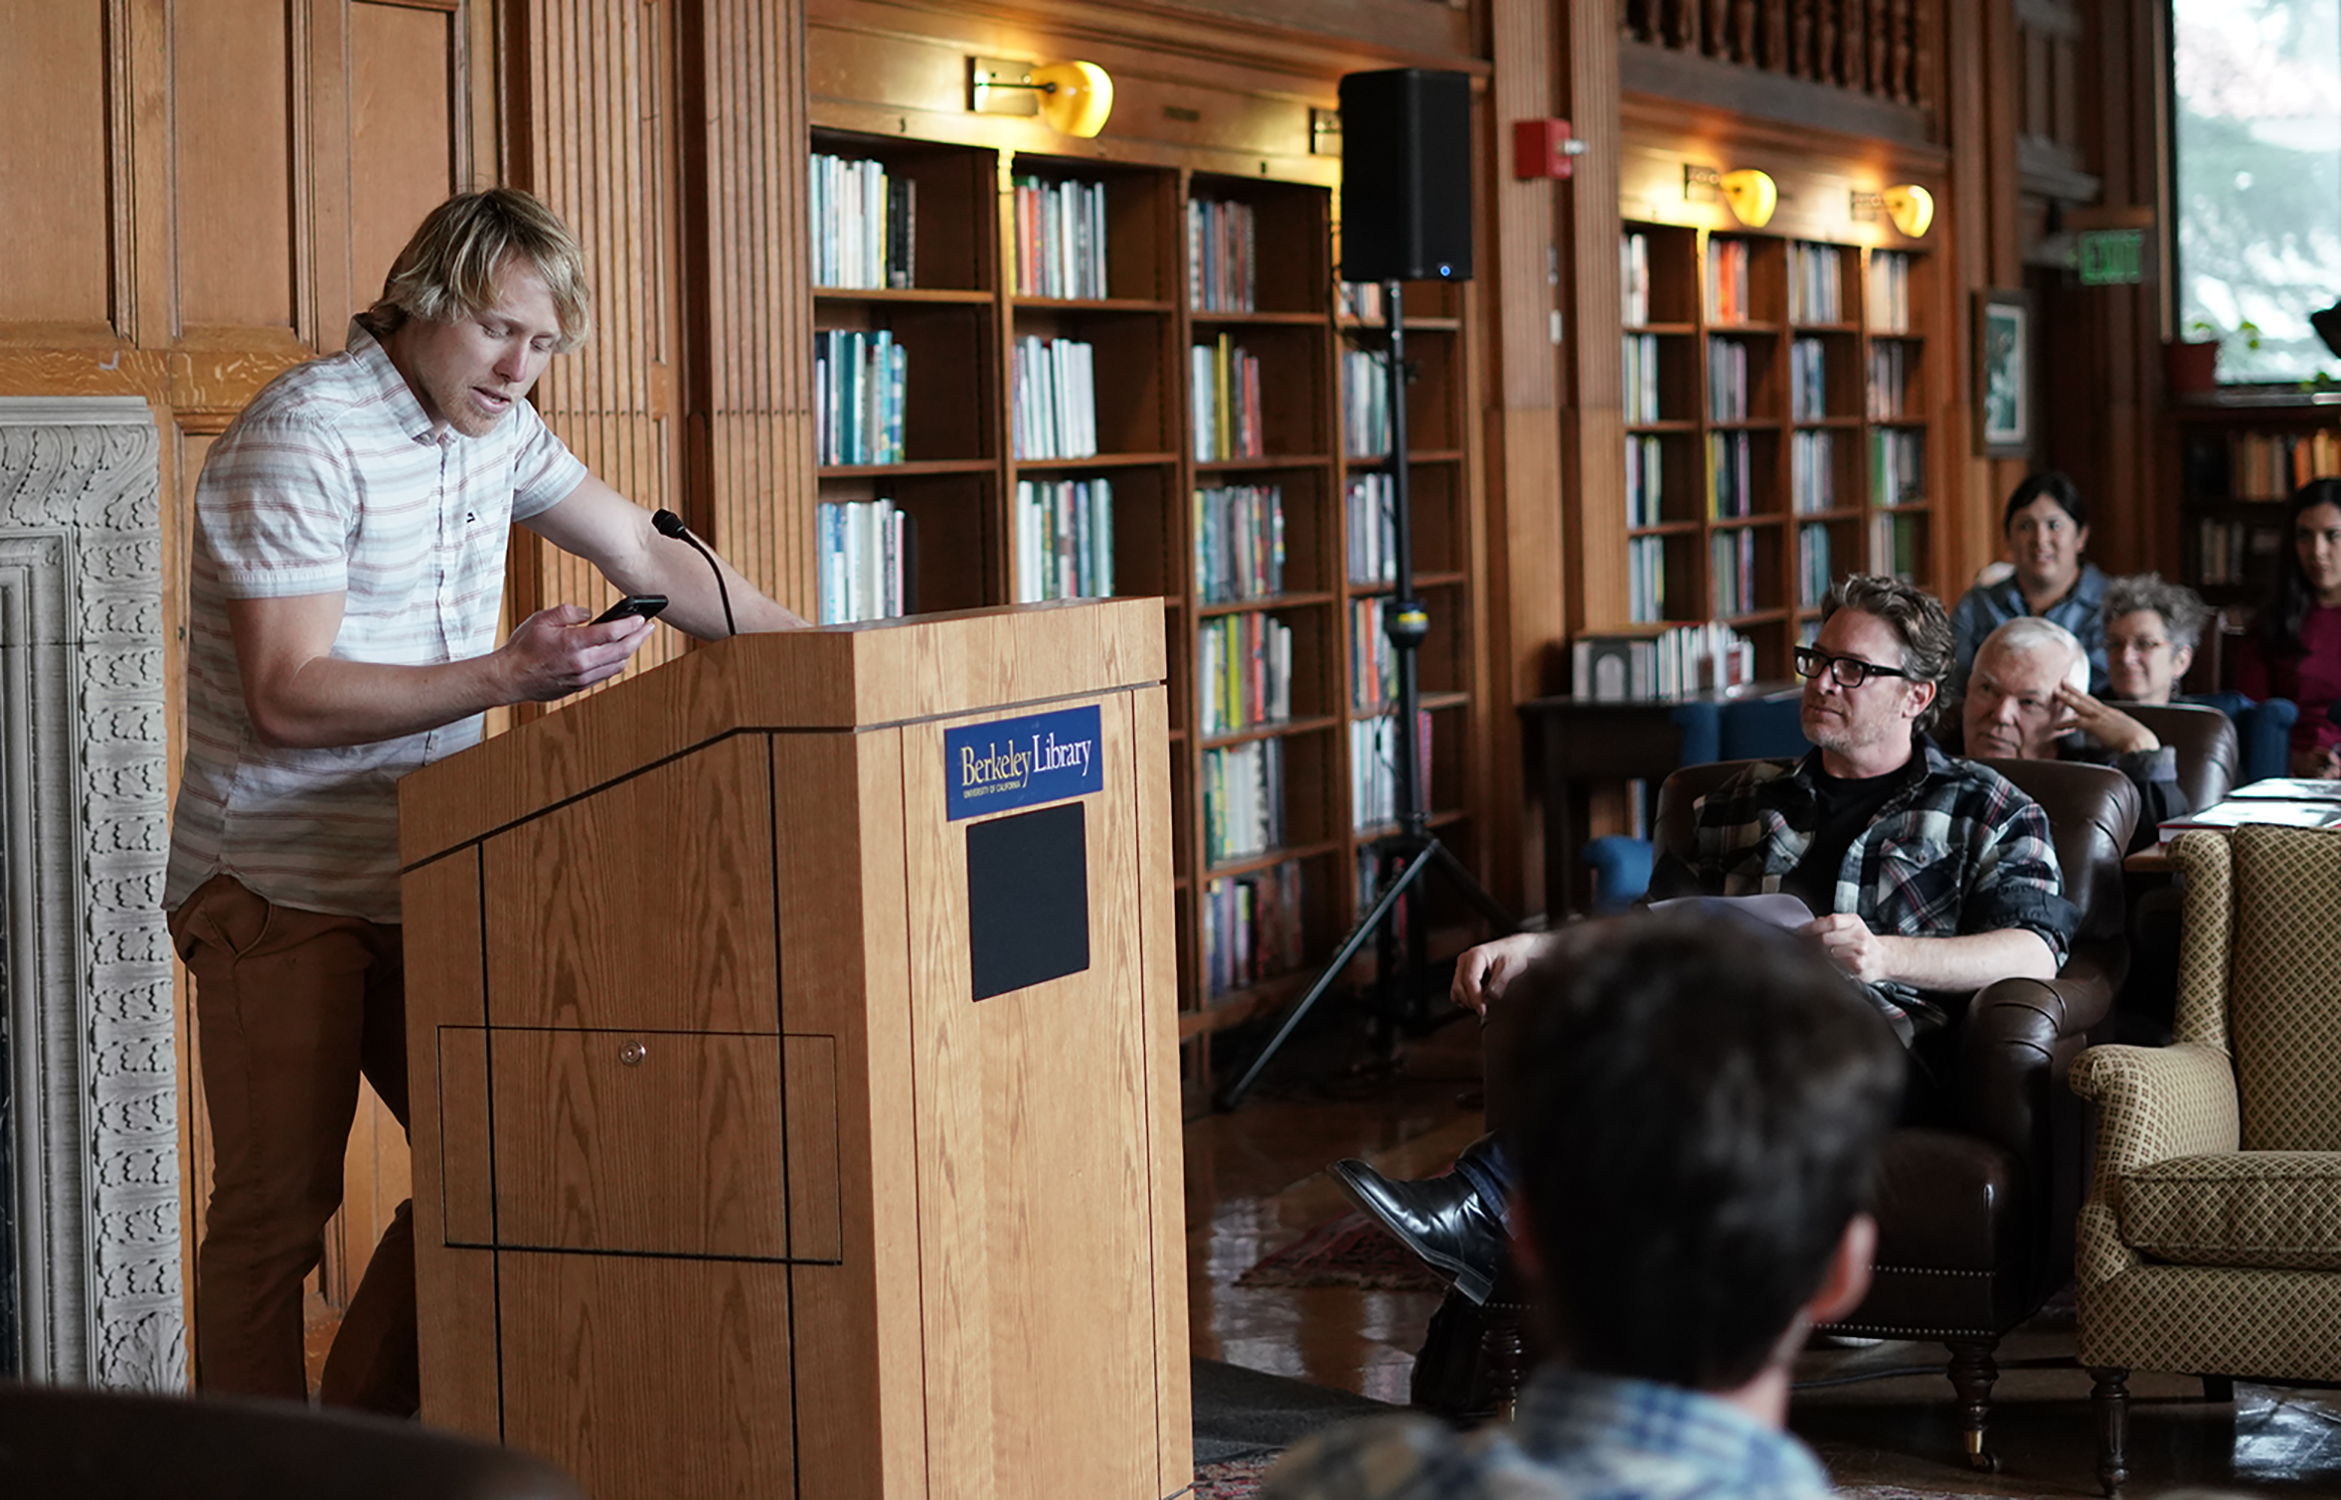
[(1406, 176)]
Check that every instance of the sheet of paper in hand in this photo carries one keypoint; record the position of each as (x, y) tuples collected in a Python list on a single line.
[(1775, 908)]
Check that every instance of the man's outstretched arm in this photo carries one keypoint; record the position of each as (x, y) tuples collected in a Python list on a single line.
[(300, 696), (1947, 964), (610, 531)]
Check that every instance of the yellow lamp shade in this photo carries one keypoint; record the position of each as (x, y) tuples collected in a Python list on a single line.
[(1752, 196), (1075, 97), (1911, 207)]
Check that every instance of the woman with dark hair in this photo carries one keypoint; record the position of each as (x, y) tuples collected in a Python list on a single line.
[(2296, 650), (2046, 524)]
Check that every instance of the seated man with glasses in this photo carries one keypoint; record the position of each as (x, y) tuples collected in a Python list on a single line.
[(1932, 878)]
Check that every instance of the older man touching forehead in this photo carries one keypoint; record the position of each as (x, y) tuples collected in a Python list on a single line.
[(2027, 700)]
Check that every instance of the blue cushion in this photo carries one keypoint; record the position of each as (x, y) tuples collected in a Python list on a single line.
[(1621, 871), (2263, 732), (1761, 729)]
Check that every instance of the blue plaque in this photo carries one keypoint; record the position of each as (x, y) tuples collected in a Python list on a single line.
[(1010, 763)]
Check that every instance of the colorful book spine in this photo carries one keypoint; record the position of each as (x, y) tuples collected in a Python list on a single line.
[(861, 384), (865, 562), (1222, 256), (1243, 672), (1239, 543), (1252, 927), (1243, 800)]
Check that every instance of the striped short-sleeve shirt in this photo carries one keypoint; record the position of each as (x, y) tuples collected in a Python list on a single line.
[(333, 480)]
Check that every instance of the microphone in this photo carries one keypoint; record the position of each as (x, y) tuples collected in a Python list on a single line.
[(668, 524)]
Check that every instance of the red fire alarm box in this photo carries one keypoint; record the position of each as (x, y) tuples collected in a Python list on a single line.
[(1542, 148)]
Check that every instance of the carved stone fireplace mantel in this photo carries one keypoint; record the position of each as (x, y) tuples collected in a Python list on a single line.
[(88, 1098)]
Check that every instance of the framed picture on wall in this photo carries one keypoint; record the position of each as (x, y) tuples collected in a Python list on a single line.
[(2003, 374)]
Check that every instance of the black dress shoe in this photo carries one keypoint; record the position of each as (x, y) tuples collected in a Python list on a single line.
[(1442, 1219)]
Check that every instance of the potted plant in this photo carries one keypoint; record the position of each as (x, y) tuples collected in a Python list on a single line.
[(2190, 366)]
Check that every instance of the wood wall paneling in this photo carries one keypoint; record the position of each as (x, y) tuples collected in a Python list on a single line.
[(54, 97), (403, 156), (232, 111)]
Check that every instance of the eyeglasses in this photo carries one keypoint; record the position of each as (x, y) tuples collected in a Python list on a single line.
[(1850, 671)]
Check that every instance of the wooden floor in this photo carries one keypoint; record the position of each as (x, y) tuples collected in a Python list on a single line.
[(1255, 1181)]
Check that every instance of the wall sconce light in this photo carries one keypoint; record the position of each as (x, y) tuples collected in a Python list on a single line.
[(1752, 196), (1071, 98), (1911, 207)]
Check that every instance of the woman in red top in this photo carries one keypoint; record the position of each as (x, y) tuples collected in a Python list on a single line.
[(2296, 650)]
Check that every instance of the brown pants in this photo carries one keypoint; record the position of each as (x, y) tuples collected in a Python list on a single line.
[(290, 1007)]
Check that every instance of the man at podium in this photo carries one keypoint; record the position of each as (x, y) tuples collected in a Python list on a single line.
[(346, 581)]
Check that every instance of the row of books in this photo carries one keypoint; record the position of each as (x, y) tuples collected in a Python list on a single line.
[(1634, 278), (1360, 302), (1222, 256), (1226, 396), (1645, 579), (1642, 378), (1243, 672), (1894, 546), (1060, 237), (866, 563), (1731, 571), (2271, 465), (1727, 281), (1055, 409), (1243, 800), (1812, 472), (1616, 668), (1064, 530), (1369, 520), (1251, 927), (1239, 543), (1731, 475), (1808, 380), (1727, 380), (864, 224), (2235, 551), (1645, 487), (1373, 767), (1889, 292), (1365, 403), (1813, 575), (860, 383), (1373, 661), (1816, 290), (1891, 366), (1897, 467)]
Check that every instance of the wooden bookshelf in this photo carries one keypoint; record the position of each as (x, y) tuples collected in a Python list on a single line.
[(960, 324), (2237, 459), (1756, 407)]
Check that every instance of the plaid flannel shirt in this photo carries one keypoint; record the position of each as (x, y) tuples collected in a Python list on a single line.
[(1578, 1436), (1956, 850)]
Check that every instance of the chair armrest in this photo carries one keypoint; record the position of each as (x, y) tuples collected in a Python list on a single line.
[(2156, 1103), (2020, 1037)]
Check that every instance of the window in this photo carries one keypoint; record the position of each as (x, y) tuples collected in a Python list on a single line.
[(2257, 106)]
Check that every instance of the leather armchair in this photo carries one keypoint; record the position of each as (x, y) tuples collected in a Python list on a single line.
[(1976, 1220), (2208, 750), (110, 1445)]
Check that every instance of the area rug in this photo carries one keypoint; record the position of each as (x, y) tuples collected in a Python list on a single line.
[(1240, 1479), (1350, 1251)]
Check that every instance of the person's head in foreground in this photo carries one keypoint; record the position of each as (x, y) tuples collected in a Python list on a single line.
[(1704, 1104), (2151, 631), (2012, 711), (1874, 673)]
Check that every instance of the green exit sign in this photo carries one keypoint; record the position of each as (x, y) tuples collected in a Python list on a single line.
[(2112, 257)]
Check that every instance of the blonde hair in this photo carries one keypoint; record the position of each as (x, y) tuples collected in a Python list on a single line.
[(448, 270)]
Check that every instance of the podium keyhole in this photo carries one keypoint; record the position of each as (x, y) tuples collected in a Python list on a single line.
[(632, 1054)]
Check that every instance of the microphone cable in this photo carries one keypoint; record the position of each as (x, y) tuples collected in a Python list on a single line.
[(668, 524)]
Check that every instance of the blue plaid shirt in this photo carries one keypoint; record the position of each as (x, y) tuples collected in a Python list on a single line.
[(1956, 850), (1578, 1436)]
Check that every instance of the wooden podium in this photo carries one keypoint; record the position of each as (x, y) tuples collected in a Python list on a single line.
[(725, 1181)]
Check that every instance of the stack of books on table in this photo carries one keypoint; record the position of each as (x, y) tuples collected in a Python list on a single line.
[(2289, 801)]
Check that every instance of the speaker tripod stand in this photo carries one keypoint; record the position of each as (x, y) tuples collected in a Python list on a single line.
[(1413, 851)]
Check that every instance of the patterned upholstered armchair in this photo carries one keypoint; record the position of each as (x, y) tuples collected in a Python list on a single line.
[(2210, 1242)]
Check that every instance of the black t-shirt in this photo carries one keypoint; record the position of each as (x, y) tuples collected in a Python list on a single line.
[(1848, 804)]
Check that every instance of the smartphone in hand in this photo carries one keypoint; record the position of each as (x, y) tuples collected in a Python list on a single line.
[(645, 605)]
